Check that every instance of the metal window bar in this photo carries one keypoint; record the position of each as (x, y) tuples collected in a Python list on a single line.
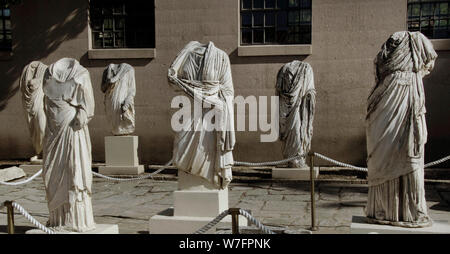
[(5, 42), (277, 10)]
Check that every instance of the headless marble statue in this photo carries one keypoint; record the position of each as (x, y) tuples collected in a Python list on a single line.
[(33, 103), (295, 88), (119, 87), (67, 173), (203, 72), (396, 132)]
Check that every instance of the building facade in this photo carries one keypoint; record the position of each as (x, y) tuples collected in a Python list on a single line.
[(339, 38)]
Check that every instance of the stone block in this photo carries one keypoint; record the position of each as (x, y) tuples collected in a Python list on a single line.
[(11, 173)]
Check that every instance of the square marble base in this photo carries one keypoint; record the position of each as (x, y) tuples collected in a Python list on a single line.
[(294, 173), (361, 226), (100, 229), (208, 203), (31, 167), (166, 223), (121, 151), (121, 170)]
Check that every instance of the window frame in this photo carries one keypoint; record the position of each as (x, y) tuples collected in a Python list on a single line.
[(118, 53), (273, 49)]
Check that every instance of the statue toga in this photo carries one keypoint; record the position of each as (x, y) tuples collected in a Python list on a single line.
[(33, 103), (295, 88), (67, 173), (203, 72), (396, 132), (119, 87)]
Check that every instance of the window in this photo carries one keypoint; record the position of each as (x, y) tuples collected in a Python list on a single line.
[(271, 22), (122, 24), (429, 17), (5, 28)]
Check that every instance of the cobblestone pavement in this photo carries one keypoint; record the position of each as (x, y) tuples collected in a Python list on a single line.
[(286, 204)]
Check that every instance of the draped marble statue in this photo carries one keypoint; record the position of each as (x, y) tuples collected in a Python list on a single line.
[(396, 132), (33, 102), (67, 173), (119, 87), (295, 88), (203, 72)]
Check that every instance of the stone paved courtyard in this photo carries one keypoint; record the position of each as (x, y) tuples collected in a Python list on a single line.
[(285, 204)]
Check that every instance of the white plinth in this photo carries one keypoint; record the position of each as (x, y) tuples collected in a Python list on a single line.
[(31, 167), (360, 226), (121, 156), (99, 229), (294, 173), (196, 202)]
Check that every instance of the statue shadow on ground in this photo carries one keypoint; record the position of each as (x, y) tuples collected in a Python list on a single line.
[(38, 41)]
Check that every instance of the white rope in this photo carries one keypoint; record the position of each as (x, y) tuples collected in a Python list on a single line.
[(32, 219), (342, 164), (256, 222), (25, 181), (133, 178), (437, 162), (212, 223), (270, 163)]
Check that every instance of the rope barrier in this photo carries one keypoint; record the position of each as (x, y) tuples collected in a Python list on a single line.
[(222, 215), (270, 163), (256, 222), (133, 178), (342, 164), (32, 219), (212, 223), (437, 162), (25, 181)]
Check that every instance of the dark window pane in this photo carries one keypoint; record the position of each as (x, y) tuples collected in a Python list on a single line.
[(282, 35), (258, 4), (306, 16), (98, 40), (246, 37), (270, 3), (444, 8), (7, 24), (282, 18), (258, 19), (270, 19), (294, 17), (305, 3), (258, 36), (293, 3), (247, 19), (282, 4), (270, 35), (108, 24), (246, 4), (6, 12)]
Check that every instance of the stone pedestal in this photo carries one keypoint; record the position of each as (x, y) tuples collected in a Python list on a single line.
[(294, 173), (196, 203), (121, 156), (99, 229), (361, 226)]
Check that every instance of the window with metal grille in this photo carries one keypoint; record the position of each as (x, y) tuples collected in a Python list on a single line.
[(275, 22), (5, 29), (122, 24), (429, 17)]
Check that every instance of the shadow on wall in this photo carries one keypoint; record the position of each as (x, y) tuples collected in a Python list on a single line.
[(38, 29), (437, 92)]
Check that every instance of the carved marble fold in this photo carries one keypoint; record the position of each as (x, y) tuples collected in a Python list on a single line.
[(67, 173), (33, 102), (203, 73), (396, 132), (119, 86), (297, 95)]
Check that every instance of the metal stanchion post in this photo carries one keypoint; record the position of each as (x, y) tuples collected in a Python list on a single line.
[(10, 215), (313, 198), (234, 220)]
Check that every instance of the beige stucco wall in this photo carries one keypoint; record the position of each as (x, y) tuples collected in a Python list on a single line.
[(347, 35)]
